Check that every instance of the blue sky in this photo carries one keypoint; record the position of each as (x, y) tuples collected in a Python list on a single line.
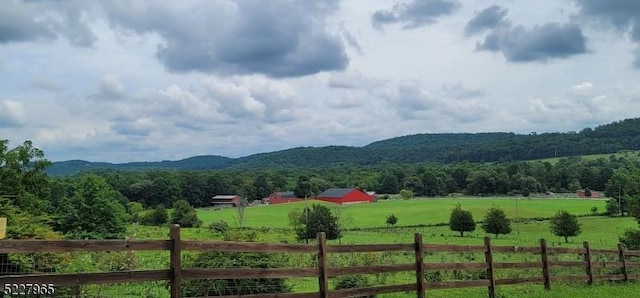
[(121, 81)]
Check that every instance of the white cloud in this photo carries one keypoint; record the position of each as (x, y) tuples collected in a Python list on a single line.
[(124, 81), (12, 113)]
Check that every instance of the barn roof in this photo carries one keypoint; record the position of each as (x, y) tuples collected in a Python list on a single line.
[(286, 194), (225, 197), (335, 192)]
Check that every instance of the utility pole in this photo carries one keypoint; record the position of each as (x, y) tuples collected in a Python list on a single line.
[(306, 219), (517, 216), (619, 205)]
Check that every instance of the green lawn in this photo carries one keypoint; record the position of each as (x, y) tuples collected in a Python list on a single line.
[(270, 222), (633, 155), (409, 212)]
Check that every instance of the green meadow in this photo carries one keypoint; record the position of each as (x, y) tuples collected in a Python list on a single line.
[(409, 212), (365, 224)]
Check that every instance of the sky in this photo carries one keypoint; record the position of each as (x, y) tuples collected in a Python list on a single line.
[(120, 81)]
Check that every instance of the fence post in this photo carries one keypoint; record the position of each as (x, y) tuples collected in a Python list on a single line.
[(323, 280), (623, 260), (587, 260), (488, 255), (176, 261), (544, 253), (419, 251)]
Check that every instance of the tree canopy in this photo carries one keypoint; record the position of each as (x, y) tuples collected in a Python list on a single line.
[(565, 224), (461, 220), (496, 222)]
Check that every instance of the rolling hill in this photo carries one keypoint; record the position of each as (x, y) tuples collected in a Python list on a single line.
[(440, 148)]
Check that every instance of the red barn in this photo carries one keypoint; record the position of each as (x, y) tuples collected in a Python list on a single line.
[(283, 197), (226, 201), (581, 194), (344, 196)]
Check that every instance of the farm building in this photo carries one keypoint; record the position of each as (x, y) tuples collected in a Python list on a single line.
[(226, 201), (374, 195), (345, 196), (282, 197), (594, 194)]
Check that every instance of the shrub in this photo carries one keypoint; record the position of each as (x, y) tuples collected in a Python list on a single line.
[(207, 287), (318, 219), (406, 194), (433, 276), (185, 215), (391, 220), (631, 239), (353, 282), (156, 217), (219, 226)]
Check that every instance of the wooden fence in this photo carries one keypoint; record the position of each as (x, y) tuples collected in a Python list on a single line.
[(322, 272)]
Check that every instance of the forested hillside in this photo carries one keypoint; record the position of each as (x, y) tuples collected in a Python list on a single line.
[(439, 148)]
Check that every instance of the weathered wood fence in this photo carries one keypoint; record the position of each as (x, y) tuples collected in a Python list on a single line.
[(176, 273)]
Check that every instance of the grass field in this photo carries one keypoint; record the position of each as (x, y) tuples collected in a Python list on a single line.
[(409, 212), (633, 155), (367, 226)]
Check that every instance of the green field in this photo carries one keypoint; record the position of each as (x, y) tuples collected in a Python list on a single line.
[(409, 212), (367, 226), (629, 154)]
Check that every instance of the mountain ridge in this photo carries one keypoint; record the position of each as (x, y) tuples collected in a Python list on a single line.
[(436, 147)]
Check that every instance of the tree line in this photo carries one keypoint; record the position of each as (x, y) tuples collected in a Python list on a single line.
[(59, 202)]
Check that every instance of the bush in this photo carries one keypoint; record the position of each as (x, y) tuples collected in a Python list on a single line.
[(433, 276), (156, 217), (353, 282), (318, 219), (207, 287), (219, 226), (391, 220), (406, 194), (631, 239), (185, 215)]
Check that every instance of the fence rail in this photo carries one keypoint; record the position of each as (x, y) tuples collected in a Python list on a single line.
[(176, 273)]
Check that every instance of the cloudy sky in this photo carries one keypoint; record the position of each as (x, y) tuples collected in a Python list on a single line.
[(122, 80)]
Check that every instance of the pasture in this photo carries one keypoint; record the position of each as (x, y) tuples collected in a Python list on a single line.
[(412, 212), (366, 225)]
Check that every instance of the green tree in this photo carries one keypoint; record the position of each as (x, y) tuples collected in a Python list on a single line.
[(318, 219), (587, 192), (263, 189), (631, 239), (185, 215), (303, 188), (134, 209), (392, 220), (461, 220), (157, 217), (574, 185), (22, 176), (389, 183), (406, 194), (496, 222), (93, 212), (565, 224)]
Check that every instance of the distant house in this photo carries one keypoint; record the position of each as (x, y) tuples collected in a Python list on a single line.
[(226, 201), (282, 197), (374, 195), (345, 196), (594, 194)]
